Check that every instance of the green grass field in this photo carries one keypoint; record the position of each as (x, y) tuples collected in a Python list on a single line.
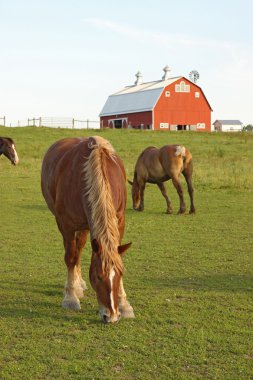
[(188, 277)]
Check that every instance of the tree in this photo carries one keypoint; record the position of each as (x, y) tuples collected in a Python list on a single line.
[(248, 128)]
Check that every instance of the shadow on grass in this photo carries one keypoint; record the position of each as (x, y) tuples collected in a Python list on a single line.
[(217, 282), (43, 301)]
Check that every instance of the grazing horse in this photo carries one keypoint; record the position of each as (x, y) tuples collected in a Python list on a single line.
[(7, 148), (83, 183), (159, 165)]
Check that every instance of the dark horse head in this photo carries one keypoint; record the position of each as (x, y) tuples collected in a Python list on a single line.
[(7, 148), (136, 194)]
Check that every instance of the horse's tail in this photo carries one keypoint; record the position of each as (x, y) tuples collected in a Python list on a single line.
[(180, 151), (187, 159)]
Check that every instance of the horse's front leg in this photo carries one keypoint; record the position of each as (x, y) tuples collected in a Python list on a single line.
[(80, 284), (71, 300), (124, 306), (190, 191)]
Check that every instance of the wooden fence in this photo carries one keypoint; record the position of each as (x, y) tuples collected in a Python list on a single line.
[(63, 122)]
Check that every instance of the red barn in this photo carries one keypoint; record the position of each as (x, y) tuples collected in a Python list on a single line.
[(170, 103)]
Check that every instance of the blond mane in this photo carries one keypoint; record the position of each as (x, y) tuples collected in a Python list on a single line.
[(103, 214)]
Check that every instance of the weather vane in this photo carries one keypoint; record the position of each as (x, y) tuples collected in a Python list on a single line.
[(194, 76)]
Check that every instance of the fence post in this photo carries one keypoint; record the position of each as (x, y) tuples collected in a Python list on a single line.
[(87, 123), (4, 121), (40, 122), (28, 122), (73, 123)]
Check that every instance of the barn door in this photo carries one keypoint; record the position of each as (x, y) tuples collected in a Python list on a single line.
[(118, 123)]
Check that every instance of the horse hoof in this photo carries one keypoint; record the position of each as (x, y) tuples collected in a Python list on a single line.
[(169, 212), (71, 303), (192, 212), (129, 313), (79, 292)]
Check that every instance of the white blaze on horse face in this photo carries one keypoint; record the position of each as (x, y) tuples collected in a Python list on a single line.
[(111, 277), (16, 159), (106, 315)]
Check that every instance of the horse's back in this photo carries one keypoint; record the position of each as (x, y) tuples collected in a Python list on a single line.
[(148, 166), (61, 157), (61, 177)]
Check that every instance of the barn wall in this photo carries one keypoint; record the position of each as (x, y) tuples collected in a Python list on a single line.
[(134, 120), (182, 108), (231, 127)]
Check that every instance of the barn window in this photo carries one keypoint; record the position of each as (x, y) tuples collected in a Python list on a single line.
[(196, 94), (164, 125), (182, 87), (167, 94), (201, 126)]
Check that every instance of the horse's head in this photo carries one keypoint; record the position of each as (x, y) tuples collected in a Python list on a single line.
[(136, 195), (7, 147), (106, 285)]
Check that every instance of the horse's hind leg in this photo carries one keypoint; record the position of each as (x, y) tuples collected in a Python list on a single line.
[(142, 189), (164, 193), (80, 285), (188, 178), (124, 306), (179, 189)]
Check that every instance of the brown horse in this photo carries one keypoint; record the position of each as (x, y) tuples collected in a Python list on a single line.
[(7, 148), (159, 165), (83, 183)]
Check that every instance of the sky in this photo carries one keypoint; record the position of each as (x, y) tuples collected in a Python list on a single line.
[(64, 58)]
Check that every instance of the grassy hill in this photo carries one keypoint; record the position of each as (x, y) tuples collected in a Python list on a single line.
[(189, 277)]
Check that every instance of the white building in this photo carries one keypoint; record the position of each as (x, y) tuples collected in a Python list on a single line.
[(227, 125)]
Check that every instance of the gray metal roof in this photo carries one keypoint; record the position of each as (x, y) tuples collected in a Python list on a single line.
[(229, 122), (129, 103), (138, 98)]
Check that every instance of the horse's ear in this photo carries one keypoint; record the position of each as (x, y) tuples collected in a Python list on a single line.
[(95, 246), (130, 182), (123, 248)]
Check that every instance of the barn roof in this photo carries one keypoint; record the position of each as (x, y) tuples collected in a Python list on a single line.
[(136, 98), (229, 122)]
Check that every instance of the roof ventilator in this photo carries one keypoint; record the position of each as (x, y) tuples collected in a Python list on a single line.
[(166, 74), (139, 78)]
